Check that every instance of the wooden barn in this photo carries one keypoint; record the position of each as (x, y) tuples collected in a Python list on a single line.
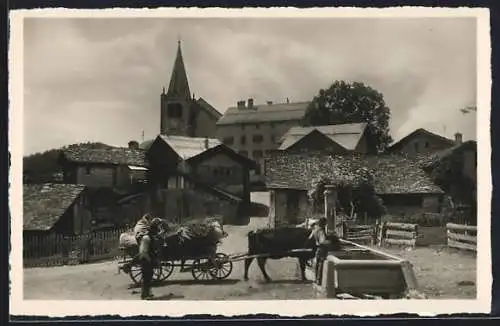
[(55, 208)]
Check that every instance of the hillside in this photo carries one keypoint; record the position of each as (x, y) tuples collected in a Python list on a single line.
[(41, 167)]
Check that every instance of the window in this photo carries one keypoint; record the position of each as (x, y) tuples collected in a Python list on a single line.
[(174, 110), (257, 154), (257, 138), (244, 153), (243, 140), (228, 140)]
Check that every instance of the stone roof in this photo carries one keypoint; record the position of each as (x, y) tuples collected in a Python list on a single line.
[(264, 113), (390, 174), (346, 135), (189, 147), (427, 160), (209, 108), (420, 131), (117, 156), (44, 204)]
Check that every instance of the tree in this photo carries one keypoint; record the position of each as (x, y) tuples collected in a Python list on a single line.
[(354, 102), (367, 202), (43, 167)]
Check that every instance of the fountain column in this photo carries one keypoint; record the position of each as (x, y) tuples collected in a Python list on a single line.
[(330, 195)]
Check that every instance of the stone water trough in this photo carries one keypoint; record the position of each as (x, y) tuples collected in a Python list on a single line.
[(362, 272)]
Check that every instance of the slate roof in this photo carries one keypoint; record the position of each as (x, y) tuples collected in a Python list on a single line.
[(427, 160), (44, 204), (390, 174), (416, 132), (209, 108), (118, 156), (264, 113), (145, 145), (188, 147), (346, 135)]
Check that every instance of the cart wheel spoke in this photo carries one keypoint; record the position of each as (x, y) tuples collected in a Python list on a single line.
[(163, 271), (221, 267), (201, 270), (136, 274)]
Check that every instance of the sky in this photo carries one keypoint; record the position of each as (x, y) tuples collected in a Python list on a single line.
[(100, 79)]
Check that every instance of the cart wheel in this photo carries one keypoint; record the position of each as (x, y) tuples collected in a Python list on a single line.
[(162, 272), (221, 266), (135, 273), (201, 270)]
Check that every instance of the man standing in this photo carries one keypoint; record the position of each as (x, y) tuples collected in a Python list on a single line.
[(319, 236), (142, 235)]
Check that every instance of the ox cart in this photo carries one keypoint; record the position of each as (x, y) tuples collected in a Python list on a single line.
[(204, 262)]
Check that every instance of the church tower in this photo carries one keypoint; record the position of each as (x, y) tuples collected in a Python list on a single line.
[(177, 105)]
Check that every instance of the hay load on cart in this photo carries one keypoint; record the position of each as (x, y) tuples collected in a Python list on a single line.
[(191, 246)]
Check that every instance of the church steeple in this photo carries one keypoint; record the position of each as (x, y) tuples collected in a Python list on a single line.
[(179, 86)]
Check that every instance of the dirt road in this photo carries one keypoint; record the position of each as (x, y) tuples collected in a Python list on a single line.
[(440, 274), (101, 282)]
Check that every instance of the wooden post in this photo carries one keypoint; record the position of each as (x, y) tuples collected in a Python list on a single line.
[(272, 209), (310, 211), (330, 195)]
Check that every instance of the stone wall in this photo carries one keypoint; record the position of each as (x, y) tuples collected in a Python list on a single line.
[(281, 211)]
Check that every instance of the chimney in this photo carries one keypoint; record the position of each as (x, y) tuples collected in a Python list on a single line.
[(250, 103), (206, 142), (269, 102), (287, 100), (133, 144), (458, 138), (240, 104)]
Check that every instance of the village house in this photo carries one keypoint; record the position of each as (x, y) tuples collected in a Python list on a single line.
[(116, 178), (202, 164), (118, 167), (55, 209), (452, 164), (421, 142), (254, 130), (340, 138), (401, 184), (455, 170)]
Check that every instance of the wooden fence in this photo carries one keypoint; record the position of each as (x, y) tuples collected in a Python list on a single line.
[(55, 250), (361, 233), (461, 236), (402, 234), (387, 233)]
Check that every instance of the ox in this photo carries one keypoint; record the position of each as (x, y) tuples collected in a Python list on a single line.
[(277, 244)]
